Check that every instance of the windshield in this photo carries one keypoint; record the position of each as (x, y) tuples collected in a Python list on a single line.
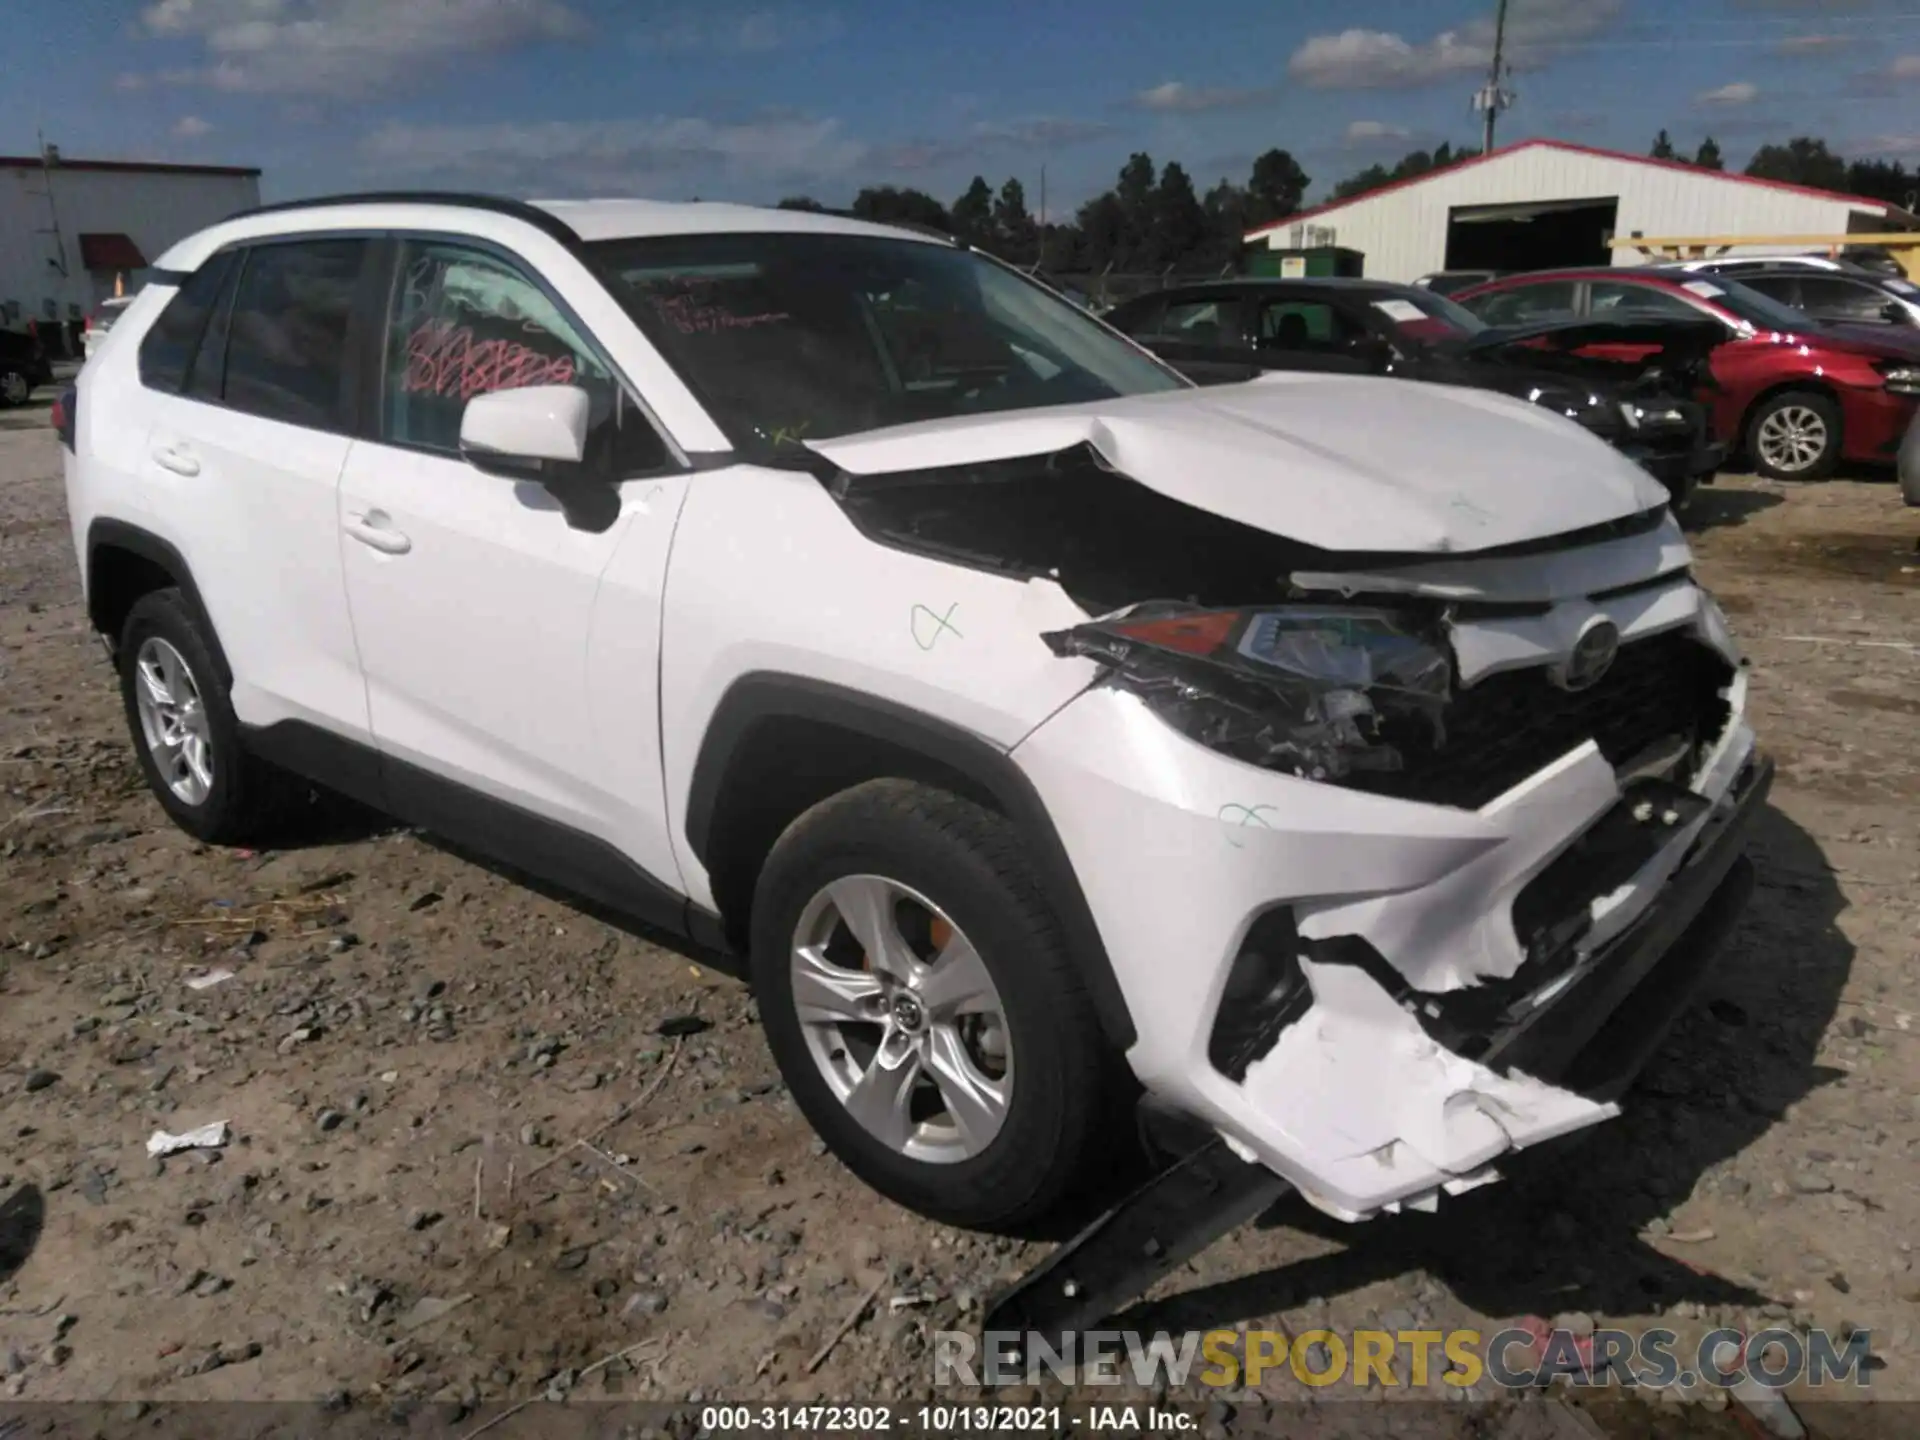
[(1749, 304), (791, 337)]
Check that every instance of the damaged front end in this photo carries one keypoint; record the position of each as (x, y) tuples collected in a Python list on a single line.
[(1536, 848)]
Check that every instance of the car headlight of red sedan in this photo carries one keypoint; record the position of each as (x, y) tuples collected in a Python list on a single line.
[(1901, 376)]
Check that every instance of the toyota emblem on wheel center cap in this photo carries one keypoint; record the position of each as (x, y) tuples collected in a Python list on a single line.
[(1591, 656)]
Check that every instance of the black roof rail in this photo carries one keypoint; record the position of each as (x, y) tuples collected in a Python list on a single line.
[(544, 220)]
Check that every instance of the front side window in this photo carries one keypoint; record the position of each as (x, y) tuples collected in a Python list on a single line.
[(789, 337), (287, 338), (168, 348), (1301, 325), (466, 322)]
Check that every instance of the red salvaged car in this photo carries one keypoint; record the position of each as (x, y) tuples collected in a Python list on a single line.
[(1795, 394)]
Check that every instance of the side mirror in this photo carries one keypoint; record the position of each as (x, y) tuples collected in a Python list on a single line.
[(526, 431), (1895, 313), (539, 433)]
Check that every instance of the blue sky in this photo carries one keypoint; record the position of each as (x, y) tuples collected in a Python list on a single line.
[(754, 99)]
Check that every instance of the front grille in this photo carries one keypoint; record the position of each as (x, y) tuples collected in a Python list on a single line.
[(1510, 725)]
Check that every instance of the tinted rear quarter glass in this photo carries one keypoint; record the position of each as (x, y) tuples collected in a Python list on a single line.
[(287, 341), (168, 348), (206, 376)]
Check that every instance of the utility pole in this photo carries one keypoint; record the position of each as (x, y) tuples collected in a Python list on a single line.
[(49, 162), (1040, 251), (1492, 98)]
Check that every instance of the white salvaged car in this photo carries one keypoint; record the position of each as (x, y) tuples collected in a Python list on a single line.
[(1358, 763)]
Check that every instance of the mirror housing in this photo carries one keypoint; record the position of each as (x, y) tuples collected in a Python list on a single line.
[(531, 431), (539, 433)]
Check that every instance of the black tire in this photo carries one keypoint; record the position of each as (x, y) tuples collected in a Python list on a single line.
[(1069, 1088), (1805, 402), (247, 797), (16, 386)]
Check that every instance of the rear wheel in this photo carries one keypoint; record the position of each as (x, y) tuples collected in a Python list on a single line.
[(917, 995), (15, 387), (1795, 436), (184, 728)]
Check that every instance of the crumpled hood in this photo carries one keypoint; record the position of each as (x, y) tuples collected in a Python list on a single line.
[(1337, 462)]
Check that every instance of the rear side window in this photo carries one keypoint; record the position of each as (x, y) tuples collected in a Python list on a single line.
[(1525, 304), (1140, 321), (1196, 322), (168, 348), (1848, 300), (287, 339)]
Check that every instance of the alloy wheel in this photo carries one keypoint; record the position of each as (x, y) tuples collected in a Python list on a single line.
[(902, 1019), (173, 720), (14, 388), (1792, 439)]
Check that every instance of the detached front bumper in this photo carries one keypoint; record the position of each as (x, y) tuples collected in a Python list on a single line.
[(1423, 1044)]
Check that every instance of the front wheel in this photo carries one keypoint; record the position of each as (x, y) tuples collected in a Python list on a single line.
[(1795, 436), (15, 387), (919, 1000)]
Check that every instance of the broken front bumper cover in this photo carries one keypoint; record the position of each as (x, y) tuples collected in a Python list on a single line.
[(1359, 1099), (1559, 1066)]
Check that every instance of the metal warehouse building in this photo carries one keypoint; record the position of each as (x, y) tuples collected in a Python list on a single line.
[(1544, 203), (69, 228)]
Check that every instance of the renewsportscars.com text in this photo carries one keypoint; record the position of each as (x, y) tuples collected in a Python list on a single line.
[(1515, 1358)]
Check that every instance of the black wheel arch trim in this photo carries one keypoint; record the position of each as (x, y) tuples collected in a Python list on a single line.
[(761, 696), (106, 532)]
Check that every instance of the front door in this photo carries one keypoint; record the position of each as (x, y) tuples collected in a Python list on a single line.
[(510, 655)]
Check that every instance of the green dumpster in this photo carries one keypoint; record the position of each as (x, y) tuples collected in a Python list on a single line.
[(1317, 262)]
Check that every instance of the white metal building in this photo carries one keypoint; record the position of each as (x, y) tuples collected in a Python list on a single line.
[(70, 228), (1544, 203)]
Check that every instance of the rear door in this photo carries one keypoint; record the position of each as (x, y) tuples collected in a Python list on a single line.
[(244, 459)]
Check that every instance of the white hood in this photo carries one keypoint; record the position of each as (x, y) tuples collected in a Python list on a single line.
[(1342, 463)]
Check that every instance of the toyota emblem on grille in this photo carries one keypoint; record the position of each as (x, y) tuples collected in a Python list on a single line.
[(1591, 656)]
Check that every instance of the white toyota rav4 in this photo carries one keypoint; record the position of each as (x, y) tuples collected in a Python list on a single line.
[(1355, 762)]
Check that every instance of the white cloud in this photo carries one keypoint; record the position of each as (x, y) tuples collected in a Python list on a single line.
[(191, 127), (1364, 133), (676, 156), (619, 157), (1177, 97), (346, 48), (1888, 146), (1810, 45), (757, 32), (1383, 59), (1038, 135), (1740, 92)]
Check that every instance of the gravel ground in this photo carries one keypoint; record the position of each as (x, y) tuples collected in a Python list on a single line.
[(481, 1141)]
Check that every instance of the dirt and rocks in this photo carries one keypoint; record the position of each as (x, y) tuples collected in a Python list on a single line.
[(480, 1142)]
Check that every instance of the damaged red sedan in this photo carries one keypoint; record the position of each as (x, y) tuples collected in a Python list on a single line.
[(1796, 395)]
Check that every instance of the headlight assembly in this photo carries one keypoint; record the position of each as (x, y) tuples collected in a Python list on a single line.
[(1312, 690), (1901, 378)]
